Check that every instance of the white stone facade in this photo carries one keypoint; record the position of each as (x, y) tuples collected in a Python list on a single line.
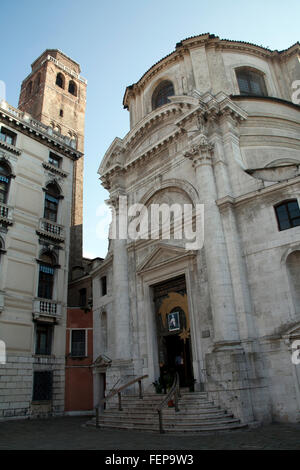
[(25, 235), (239, 155)]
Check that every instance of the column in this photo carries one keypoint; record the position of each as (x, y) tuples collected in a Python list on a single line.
[(219, 279), (121, 300), (243, 304)]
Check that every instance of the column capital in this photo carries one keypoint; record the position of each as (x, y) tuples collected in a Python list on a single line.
[(200, 152)]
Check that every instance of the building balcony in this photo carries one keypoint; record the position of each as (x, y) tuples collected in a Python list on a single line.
[(51, 230), (47, 308), (6, 214)]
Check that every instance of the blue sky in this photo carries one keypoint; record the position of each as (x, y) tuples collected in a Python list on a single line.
[(116, 42)]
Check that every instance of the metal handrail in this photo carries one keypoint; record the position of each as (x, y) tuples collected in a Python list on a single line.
[(174, 391), (118, 391)]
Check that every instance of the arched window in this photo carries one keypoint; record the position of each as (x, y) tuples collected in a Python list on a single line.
[(60, 80), (37, 82), (162, 93), (72, 88), (251, 82), (46, 276), (4, 181), (288, 214), (51, 202), (29, 89), (57, 129), (73, 139)]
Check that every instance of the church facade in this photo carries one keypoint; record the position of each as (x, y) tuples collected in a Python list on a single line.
[(213, 128)]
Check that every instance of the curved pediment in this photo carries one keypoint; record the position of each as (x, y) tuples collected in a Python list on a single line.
[(171, 195), (276, 171)]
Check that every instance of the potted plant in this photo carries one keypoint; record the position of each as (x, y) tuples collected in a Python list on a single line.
[(158, 386), (191, 385)]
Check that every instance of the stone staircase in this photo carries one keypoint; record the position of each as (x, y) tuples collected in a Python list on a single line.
[(196, 414)]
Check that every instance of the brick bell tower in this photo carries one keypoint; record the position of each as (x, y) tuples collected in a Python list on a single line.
[(55, 94)]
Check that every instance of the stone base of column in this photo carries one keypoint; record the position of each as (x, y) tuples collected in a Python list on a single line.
[(235, 383), (119, 373)]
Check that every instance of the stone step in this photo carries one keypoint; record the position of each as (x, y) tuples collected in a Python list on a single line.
[(159, 396), (209, 428), (171, 421), (196, 414), (175, 418), (153, 407), (167, 412)]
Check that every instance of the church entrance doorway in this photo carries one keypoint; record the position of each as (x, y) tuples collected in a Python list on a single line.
[(173, 331)]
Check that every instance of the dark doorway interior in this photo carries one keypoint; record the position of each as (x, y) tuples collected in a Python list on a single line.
[(178, 358), (173, 330)]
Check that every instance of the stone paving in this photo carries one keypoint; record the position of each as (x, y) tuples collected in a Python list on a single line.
[(70, 433)]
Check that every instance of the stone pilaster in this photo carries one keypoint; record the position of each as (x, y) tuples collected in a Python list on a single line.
[(220, 284), (122, 339)]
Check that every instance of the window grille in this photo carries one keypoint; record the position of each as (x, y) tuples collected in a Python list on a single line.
[(42, 386), (78, 343)]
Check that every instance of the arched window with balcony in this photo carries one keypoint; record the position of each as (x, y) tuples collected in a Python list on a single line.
[(72, 88), (251, 82), (5, 175), (46, 275), (52, 197), (60, 80), (161, 94)]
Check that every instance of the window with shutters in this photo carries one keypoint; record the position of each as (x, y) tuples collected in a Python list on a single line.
[(46, 276), (8, 136), (288, 214), (5, 175), (51, 202), (251, 82), (78, 343), (43, 339)]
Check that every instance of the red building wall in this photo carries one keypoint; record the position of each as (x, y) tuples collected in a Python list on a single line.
[(79, 371)]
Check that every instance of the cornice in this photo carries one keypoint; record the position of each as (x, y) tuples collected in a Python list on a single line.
[(265, 98), (10, 148), (53, 169), (24, 123), (101, 267), (209, 41), (209, 107), (153, 118), (244, 198)]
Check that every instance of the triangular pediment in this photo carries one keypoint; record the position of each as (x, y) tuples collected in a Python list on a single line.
[(163, 254), (102, 361), (113, 156)]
